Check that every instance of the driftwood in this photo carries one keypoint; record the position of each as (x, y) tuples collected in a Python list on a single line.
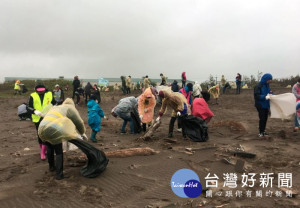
[(151, 131), (145, 151)]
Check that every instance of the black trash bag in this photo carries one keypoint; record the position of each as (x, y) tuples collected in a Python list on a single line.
[(136, 122), (205, 95), (97, 160), (195, 128), (24, 89)]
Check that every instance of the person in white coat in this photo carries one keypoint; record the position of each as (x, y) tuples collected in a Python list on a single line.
[(197, 90)]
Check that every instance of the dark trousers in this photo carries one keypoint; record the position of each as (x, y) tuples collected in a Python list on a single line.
[(37, 127), (127, 90), (263, 117), (58, 149), (183, 84), (172, 122), (145, 126), (86, 96), (238, 88), (77, 97)]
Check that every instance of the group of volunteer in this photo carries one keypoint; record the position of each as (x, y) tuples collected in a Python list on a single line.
[(63, 121)]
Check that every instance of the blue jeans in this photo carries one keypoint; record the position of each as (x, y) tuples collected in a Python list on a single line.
[(130, 125), (296, 121)]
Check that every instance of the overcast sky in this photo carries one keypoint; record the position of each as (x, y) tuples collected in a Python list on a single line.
[(96, 38)]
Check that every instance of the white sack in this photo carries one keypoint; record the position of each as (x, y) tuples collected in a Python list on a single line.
[(283, 106)]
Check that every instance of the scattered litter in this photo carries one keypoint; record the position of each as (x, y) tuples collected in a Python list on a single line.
[(227, 161), (244, 154), (26, 149)]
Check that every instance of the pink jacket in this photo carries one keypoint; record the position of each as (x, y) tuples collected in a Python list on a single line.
[(187, 95)]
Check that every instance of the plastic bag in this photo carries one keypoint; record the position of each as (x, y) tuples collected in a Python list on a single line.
[(97, 160), (283, 106)]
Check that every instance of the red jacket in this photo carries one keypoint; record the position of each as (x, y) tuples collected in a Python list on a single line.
[(201, 109)]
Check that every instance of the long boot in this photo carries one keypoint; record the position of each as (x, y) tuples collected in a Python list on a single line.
[(93, 136), (171, 127), (59, 167), (43, 152)]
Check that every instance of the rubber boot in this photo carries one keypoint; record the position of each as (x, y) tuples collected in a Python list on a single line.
[(59, 167), (93, 136), (50, 155), (171, 127), (43, 152)]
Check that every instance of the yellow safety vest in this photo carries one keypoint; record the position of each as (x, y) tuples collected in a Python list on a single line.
[(37, 103), (17, 86)]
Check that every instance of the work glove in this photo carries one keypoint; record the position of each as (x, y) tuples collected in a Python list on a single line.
[(84, 137), (268, 96), (105, 117), (158, 119), (141, 117), (178, 113), (145, 110), (38, 113)]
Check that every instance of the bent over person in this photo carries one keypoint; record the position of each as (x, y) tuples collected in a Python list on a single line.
[(178, 103), (60, 123)]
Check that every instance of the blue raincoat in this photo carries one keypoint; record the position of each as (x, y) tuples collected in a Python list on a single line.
[(261, 90), (95, 114)]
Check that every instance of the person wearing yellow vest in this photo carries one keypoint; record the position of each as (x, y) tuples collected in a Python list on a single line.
[(37, 101), (17, 87)]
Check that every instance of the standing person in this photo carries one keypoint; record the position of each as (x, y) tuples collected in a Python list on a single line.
[(61, 122), (58, 95), (124, 109), (95, 113), (238, 80), (124, 89), (128, 84), (163, 80), (197, 90), (178, 103), (296, 92), (17, 87), (96, 92), (223, 81), (297, 113), (76, 86), (262, 102), (200, 109), (146, 105), (87, 91), (174, 86), (38, 100), (146, 82), (215, 91), (187, 92), (183, 79)]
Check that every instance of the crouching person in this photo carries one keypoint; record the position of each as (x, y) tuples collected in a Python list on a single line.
[(124, 109), (200, 109), (60, 123), (178, 103)]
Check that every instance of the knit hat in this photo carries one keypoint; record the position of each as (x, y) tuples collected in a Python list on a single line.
[(161, 94), (190, 86)]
